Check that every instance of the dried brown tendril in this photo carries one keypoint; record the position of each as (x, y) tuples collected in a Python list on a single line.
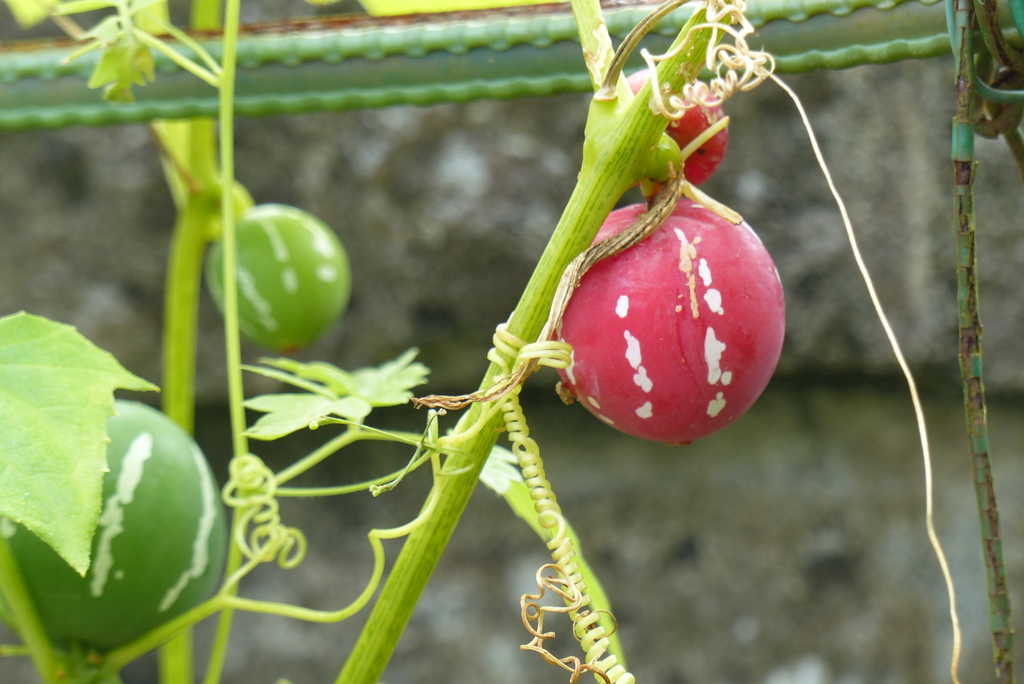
[(735, 66), (533, 619)]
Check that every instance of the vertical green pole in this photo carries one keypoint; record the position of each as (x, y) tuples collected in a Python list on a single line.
[(964, 166), (194, 145)]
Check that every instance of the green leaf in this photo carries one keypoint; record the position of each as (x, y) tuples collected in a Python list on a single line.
[(28, 13), (517, 496), (56, 394), (144, 66), (501, 471), (89, 47), (110, 67), (291, 379), (119, 93), (107, 31), (328, 377), (287, 413), (123, 64), (389, 384)]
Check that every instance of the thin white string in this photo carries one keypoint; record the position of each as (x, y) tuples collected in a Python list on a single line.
[(933, 536)]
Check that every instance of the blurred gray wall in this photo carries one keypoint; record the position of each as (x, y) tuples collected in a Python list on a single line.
[(790, 548)]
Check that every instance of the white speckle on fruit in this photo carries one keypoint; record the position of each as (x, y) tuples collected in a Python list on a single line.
[(632, 350), (606, 419), (716, 405), (111, 522), (7, 528), (713, 349), (119, 574), (290, 280), (704, 271), (277, 243), (726, 377), (641, 380), (622, 306), (593, 402), (322, 240), (714, 300), (201, 542), (247, 290), (326, 273), (635, 359), (687, 253), (645, 411), (678, 308)]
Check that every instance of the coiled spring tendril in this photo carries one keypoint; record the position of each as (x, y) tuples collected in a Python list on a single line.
[(258, 530), (735, 66), (510, 353)]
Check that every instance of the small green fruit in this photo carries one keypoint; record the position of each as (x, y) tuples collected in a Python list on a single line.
[(293, 277)]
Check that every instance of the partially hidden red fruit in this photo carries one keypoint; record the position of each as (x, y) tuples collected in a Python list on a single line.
[(703, 163), (675, 338)]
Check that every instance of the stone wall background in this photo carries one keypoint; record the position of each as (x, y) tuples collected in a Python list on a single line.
[(444, 210), (788, 549)]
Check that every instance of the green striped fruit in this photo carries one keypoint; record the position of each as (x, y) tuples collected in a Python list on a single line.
[(159, 547), (293, 277)]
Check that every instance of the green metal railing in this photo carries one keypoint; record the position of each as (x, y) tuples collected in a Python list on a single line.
[(334, 65)]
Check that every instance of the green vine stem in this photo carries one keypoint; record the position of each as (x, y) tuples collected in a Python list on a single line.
[(181, 306), (189, 159), (167, 51), (236, 393), (964, 165), (175, 665), (616, 139), (352, 434), (122, 655), (30, 627), (189, 156), (987, 13), (181, 309)]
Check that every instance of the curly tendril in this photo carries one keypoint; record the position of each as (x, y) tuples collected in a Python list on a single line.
[(569, 582), (262, 537), (533, 619), (258, 530), (735, 66)]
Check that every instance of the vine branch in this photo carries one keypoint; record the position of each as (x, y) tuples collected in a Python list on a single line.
[(975, 408)]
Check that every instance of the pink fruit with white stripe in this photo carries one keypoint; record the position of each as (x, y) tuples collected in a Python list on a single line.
[(703, 163), (676, 337)]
